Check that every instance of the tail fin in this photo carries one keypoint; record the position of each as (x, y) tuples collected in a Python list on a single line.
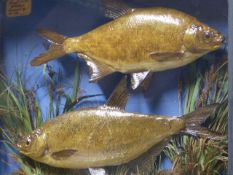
[(194, 120), (56, 49)]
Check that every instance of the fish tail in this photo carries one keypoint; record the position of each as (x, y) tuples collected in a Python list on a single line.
[(194, 120), (56, 48)]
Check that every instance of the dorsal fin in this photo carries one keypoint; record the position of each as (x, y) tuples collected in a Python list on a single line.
[(119, 96), (116, 8)]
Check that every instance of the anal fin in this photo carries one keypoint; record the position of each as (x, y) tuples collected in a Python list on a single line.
[(145, 163), (119, 96), (97, 70)]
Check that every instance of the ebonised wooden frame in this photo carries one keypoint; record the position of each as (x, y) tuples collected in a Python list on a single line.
[(230, 91)]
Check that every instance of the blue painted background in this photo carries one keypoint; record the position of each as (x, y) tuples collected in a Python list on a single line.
[(76, 17)]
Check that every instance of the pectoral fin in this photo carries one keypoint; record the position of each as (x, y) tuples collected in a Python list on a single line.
[(120, 95), (138, 78), (165, 56), (64, 154), (115, 8)]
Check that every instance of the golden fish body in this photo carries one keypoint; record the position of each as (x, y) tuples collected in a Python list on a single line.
[(128, 43), (106, 135), (142, 40), (98, 137)]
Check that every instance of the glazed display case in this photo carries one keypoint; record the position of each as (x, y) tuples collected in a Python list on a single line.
[(30, 95)]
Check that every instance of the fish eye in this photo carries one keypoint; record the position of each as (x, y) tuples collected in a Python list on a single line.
[(28, 142), (207, 35)]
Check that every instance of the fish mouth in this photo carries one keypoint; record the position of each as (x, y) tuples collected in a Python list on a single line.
[(23, 152), (21, 149), (217, 46), (19, 146), (220, 40)]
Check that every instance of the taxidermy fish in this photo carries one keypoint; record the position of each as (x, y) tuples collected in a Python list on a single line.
[(106, 135), (137, 42)]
